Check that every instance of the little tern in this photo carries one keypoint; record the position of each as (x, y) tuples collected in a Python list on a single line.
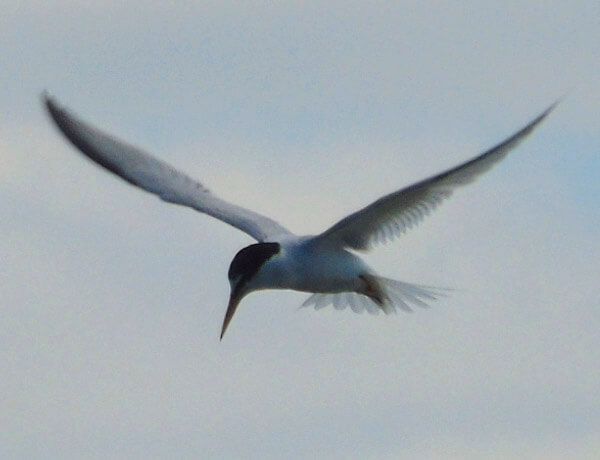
[(326, 264)]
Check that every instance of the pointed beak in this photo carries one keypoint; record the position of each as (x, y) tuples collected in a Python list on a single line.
[(234, 301)]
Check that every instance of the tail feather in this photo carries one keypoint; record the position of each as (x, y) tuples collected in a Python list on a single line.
[(397, 295)]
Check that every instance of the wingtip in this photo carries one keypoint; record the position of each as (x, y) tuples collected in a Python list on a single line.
[(46, 98), (50, 104), (541, 117), (554, 105), (551, 107)]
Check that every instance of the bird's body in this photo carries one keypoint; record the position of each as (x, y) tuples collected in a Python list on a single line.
[(303, 264), (321, 264)]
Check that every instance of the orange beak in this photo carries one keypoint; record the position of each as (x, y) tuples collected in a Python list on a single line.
[(234, 301)]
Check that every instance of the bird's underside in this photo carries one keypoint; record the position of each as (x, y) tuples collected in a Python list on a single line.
[(383, 220)]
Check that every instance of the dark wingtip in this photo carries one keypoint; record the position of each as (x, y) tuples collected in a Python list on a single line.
[(47, 99), (552, 106), (543, 115), (52, 107), (520, 135)]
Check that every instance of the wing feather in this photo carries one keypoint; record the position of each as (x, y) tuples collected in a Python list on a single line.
[(394, 214), (157, 177)]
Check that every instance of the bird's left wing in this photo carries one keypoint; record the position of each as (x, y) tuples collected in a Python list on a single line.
[(157, 177), (393, 214)]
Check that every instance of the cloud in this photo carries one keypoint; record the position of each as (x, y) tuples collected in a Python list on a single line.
[(111, 300)]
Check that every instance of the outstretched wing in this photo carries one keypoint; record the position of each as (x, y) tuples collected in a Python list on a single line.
[(157, 177), (393, 214)]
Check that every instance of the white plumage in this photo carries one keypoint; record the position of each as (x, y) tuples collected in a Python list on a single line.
[(321, 264)]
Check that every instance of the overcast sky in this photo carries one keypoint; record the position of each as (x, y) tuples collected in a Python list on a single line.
[(111, 301)]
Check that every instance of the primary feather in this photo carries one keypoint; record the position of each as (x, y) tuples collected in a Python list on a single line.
[(393, 214), (155, 176)]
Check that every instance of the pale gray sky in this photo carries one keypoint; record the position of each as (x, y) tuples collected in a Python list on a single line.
[(111, 301)]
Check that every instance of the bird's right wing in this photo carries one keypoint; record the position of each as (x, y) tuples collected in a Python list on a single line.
[(157, 177), (393, 214)]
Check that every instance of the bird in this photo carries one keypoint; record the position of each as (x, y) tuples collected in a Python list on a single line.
[(326, 265)]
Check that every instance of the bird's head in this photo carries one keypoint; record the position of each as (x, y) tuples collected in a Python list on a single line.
[(243, 269)]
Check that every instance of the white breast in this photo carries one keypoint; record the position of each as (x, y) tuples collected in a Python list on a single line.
[(306, 267)]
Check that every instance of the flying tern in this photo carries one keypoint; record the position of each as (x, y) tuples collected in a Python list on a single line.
[(326, 264)]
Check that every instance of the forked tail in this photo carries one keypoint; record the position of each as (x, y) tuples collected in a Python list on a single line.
[(383, 294)]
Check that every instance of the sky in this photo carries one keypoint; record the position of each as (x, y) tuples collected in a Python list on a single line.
[(111, 301)]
